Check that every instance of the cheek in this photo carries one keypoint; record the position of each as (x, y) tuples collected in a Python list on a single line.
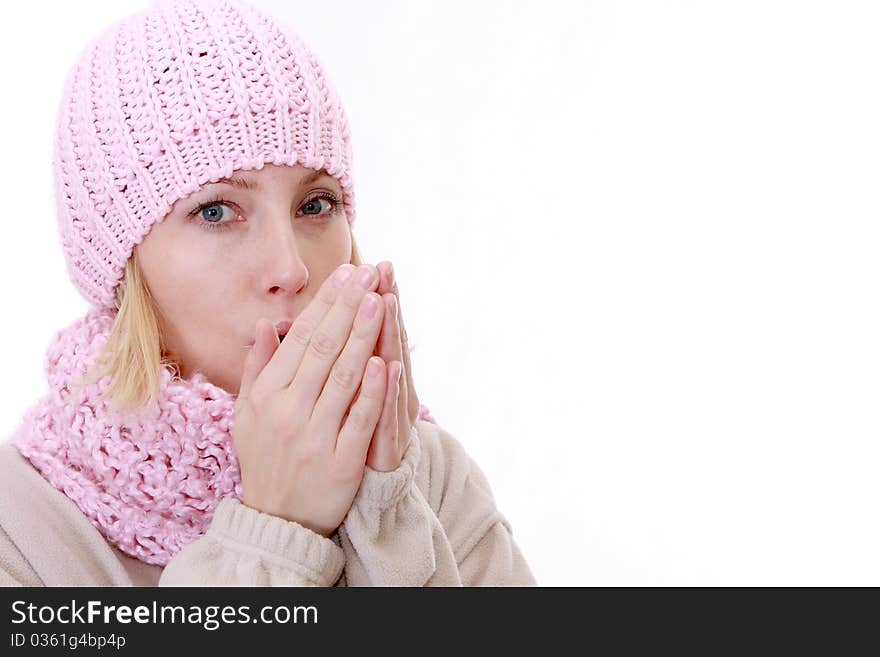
[(185, 276), (326, 249), (193, 285)]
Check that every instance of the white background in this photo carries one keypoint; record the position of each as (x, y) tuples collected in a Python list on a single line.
[(637, 250)]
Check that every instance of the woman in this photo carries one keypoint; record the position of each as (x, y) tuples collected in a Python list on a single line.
[(205, 198)]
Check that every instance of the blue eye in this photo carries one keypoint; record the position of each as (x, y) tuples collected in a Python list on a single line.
[(214, 216), (210, 215), (315, 203)]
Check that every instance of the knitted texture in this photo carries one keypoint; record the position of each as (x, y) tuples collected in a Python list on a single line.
[(169, 99), (149, 482)]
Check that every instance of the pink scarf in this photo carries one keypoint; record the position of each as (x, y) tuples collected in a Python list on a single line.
[(150, 483)]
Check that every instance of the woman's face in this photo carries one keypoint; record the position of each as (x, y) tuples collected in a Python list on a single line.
[(231, 253)]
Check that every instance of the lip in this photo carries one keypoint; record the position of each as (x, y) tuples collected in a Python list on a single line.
[(282, 326)]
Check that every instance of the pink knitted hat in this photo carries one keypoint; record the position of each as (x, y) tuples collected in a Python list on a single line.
[(171, 98)]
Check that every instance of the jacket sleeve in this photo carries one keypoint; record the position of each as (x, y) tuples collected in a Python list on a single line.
[(14, 568), (244, 547), (396, 536), (481, 535), (391, 537)]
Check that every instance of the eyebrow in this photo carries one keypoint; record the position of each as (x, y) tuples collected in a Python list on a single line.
[(247, 183)]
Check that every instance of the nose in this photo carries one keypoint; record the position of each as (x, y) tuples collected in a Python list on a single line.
[(284, 272)]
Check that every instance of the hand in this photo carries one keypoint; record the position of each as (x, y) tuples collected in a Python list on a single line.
[(401, 405), (301, 442)]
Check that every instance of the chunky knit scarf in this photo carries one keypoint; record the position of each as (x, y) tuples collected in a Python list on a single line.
[(149, 482)]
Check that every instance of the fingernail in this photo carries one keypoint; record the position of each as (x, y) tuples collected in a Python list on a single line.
[(342, 275), (393, 304), (369, 307), (365, 278), (373, 368)]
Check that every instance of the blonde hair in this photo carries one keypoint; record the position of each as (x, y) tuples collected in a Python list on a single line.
[(135, 353)]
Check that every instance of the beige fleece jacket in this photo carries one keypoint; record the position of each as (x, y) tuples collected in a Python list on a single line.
[(431, 522)]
